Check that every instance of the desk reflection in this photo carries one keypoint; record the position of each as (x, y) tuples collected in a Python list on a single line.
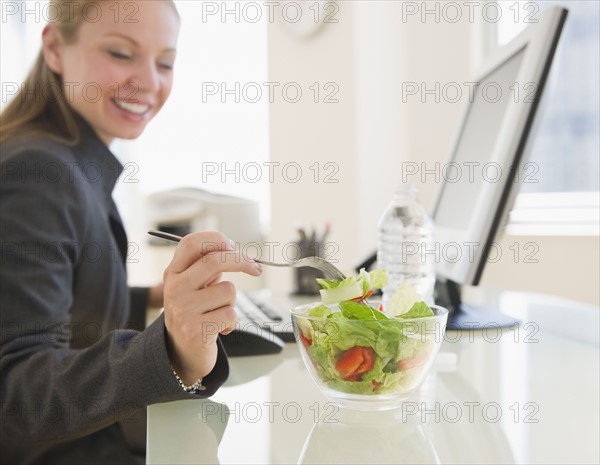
[(368, 437), (191, 434), (243, 370)]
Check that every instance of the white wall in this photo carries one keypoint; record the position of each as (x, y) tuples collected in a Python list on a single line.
[(555, 265), (382, 50), (307, 132)]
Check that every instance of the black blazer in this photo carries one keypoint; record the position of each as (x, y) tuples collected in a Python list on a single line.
[(71, 365)]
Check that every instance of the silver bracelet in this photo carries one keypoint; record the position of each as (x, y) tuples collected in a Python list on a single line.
[(193, 388)]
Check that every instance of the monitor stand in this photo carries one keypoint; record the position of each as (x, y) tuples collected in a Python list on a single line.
[(462, 316)]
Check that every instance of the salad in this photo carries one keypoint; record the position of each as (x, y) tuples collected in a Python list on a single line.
[(359, 349)]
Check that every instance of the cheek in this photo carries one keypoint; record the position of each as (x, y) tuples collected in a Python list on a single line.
[(166, 89), (90, 77), (74, 71), (113, 81), (169, 85)]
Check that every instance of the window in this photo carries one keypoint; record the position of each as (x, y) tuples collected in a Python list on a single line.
[(20, 42), (561, 193)]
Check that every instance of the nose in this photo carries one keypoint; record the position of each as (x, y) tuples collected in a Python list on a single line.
[(147, 77)]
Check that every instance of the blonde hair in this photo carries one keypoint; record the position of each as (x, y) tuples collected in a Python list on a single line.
[(40, 106)]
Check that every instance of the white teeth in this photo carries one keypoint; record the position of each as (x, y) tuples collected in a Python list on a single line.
[(136, 108)]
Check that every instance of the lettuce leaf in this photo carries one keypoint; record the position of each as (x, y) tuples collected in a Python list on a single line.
[(328, 283), (355, 311), (319, 311), (402, 300), (418, 310), (375, 279)]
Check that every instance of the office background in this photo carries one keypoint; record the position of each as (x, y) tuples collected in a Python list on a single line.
[(357, 128)]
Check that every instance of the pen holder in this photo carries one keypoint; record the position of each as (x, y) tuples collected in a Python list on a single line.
[(306, 277)]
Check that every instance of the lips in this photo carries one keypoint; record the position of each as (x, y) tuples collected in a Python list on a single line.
[(135, 108)]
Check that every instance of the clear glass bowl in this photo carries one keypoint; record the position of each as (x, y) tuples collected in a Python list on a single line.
[(368, 364)]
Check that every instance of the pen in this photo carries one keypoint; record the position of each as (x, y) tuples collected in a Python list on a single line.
[(326, 232), (302, 234)]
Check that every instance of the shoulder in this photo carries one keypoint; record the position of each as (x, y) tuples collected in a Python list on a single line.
[(39, 163), (23, 151), (41, 185), (43, 176)]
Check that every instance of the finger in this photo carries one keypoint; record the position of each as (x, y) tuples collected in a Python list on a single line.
[(222, 294), (181, 303), (215, 280), (219, 321), (193, 246), (208, 268), (194, 322), (228, 330)]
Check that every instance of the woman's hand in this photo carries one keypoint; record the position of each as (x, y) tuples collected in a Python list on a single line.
[(198, 305), (155, 296)]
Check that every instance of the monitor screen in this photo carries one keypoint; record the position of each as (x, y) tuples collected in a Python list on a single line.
[(478, 186), (468, 171)]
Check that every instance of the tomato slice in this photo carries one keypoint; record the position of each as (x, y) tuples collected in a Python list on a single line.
[(368, 361), (306, 342), (355, 362), (416, 361), (366, 296)]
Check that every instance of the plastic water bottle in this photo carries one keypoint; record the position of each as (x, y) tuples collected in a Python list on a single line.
[(405, 234)]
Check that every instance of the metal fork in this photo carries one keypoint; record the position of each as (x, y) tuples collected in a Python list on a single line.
[(319, 263)]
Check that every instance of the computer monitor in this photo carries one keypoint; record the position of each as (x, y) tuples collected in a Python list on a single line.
[(478, 186), (479, 183)]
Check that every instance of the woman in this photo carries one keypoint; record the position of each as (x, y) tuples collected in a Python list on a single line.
[(76, 360)]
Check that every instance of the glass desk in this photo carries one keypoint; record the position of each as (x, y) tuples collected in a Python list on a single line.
[(527, 394)]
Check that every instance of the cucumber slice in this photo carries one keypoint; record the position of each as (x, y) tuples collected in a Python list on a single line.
[(338, 294)]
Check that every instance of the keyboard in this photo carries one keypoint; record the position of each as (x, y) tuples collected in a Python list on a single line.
[(256, 312)]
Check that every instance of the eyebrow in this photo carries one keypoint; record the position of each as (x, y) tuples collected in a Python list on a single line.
[(134, 42)]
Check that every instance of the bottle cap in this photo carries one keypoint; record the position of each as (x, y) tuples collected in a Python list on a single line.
[(409, 189)]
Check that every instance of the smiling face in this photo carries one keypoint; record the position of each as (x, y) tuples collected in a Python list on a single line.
[(117, 74)]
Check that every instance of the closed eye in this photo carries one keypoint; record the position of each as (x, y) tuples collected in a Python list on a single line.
[(119, 56)]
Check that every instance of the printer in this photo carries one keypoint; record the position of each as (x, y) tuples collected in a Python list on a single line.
[(189, 209)]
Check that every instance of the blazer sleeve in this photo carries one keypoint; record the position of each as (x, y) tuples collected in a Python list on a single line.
[(138, 305), (50, 392)]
